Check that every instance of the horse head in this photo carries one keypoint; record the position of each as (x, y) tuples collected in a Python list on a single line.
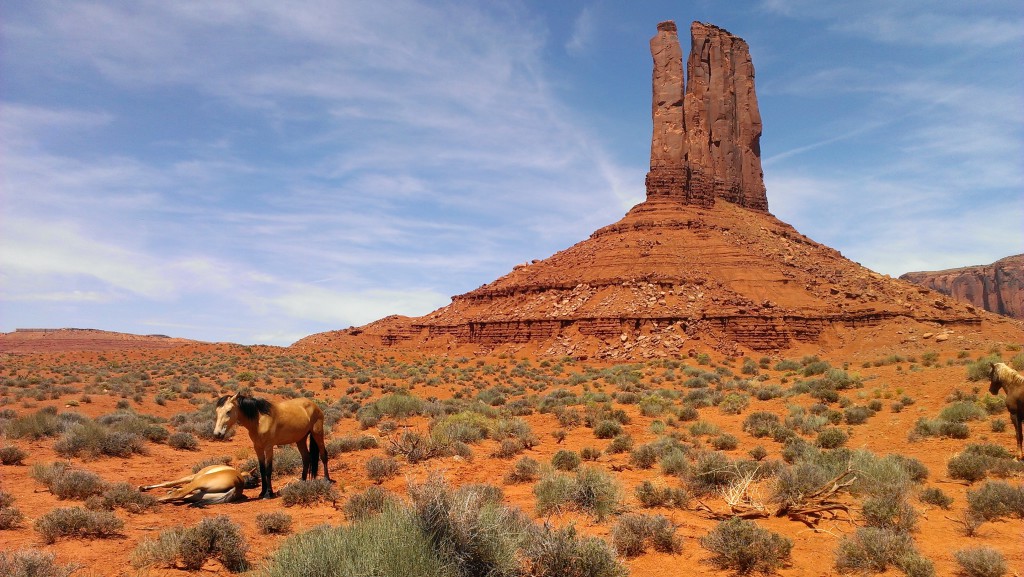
[(995, 383), (227, 415)]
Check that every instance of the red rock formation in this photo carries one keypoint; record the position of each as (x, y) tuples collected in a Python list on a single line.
[(997, 287), (706, 138), (58, 340), (680, 271)]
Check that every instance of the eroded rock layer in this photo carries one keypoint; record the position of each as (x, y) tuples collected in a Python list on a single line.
[(997, 287), (670, 277)]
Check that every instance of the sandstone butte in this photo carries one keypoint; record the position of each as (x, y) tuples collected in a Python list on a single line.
[(996, 287), (700, 264)]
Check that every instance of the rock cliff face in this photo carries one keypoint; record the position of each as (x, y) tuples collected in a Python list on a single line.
[(706, 138), (682, 272), (997, 287)]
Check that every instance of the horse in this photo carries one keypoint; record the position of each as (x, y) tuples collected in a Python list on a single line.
[(1004, 377), (210, 485), (271, 424)]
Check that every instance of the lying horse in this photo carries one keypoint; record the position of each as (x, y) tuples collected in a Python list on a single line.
[(213, 484), (1004, 377), (271, 424)]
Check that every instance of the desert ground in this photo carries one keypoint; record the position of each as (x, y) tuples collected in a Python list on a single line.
[(480, 415)]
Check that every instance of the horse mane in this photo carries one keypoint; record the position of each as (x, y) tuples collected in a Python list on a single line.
[(251, 407), (1006, 376)]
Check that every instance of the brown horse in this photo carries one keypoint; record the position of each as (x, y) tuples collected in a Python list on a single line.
[(1004, 377), (271, 424), (213, 484)]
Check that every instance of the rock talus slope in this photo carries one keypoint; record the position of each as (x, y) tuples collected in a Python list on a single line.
[(996, 287), (701, 264)]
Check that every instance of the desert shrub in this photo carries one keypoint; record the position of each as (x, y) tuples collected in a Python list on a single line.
[(857, 415), (725, 442), (33, 563), (734, 403), (889, 513), (758, 453), (274, 523), (981, 562), (123, 496), (524, 470), (996, 499), (936, 496), (879, 476), (620, 444), (796, 481), (916, 470), (91, 440), (12, 455), (396, 405), (634, 532), (350, 443), (76, 484), (787, 365), (217, 537), (509, 448), (979, 369), (711, 471), (687, 413), (968, 467), (308, 493), (591, 490), (831, 438), (380, 469), (183, 442), (10, 517), (590, 453), (77, 522), (761, 423), (565, 460), (872, 549), (465, 427), (645, 456), (34, 426), (368, 503), (595, 491), (651, 495), (562, 553), (674, 462), (962, 412), (998, 425), (356, 550), (607, 429), (741, 545)]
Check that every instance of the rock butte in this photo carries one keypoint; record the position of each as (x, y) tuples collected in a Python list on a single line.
[(997, 287), (699, 264)]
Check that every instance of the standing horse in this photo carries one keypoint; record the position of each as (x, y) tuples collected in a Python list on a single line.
[(271, 424), (1004, 377)]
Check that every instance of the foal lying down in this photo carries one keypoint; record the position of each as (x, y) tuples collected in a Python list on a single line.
[(211, 485)]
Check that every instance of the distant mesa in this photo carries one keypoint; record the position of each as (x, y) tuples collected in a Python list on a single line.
[(996, 287), (36, 340)]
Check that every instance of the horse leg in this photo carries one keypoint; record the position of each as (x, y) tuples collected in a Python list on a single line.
[(175, 483), (266, 459), (1017, 425), (316, 437), (314, 456), (304, 453)]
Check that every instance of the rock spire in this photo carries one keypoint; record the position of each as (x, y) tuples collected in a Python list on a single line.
[(706, 139)]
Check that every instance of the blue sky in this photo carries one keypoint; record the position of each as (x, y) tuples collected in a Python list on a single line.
[(256, 171)]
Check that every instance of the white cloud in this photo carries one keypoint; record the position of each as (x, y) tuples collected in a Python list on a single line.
[(583, 32)]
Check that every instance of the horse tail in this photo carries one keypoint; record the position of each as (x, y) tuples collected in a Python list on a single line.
[(314, 455)]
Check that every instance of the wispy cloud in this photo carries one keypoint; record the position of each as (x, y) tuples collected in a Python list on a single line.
[(583, 31)]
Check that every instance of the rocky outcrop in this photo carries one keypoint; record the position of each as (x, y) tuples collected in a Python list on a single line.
[(706, 138), (997, 287), (681, 272)]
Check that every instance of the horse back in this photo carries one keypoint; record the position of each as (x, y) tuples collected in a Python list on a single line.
[(290, 421)]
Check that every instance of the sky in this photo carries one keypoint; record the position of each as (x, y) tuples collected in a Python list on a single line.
[(255, 171)]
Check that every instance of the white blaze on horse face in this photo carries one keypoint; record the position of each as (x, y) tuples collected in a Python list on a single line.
[(226, 417)]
